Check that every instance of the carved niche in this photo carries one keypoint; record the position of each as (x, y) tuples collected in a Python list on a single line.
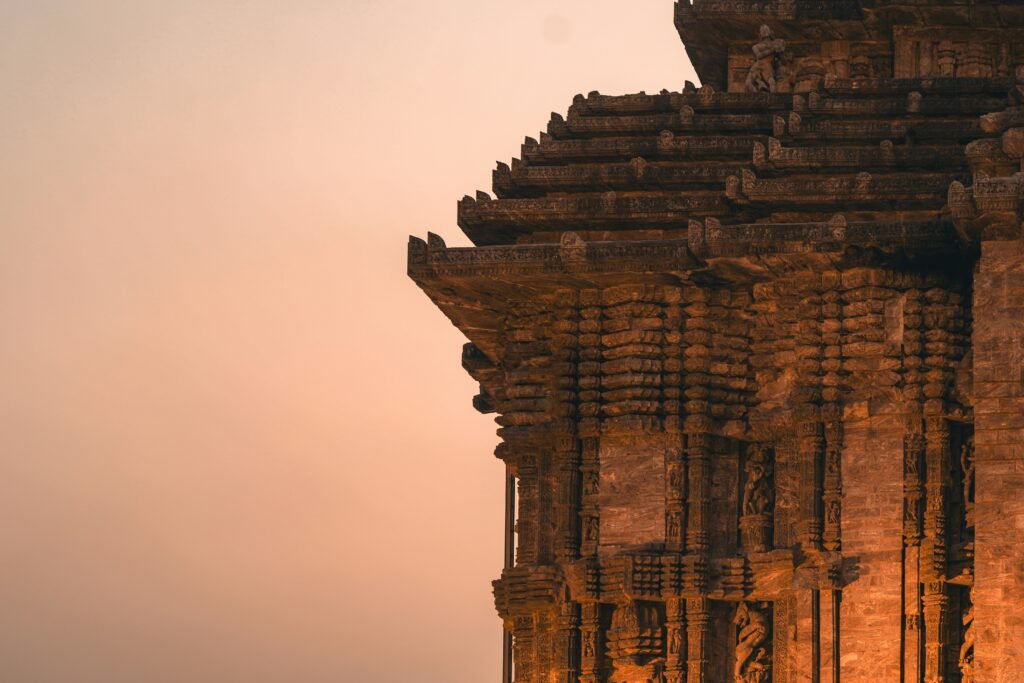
[(758, 501), (636, 642), (769, 72), (753, 637), (922, 53)]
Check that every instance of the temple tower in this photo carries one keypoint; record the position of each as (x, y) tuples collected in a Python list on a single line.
[(756, 350)]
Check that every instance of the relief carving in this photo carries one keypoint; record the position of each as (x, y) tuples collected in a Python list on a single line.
[(753, 662), (967, 468), (767, 74), (966, 660), (758, 500)]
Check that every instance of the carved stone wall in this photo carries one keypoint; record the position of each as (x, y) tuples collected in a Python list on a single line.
[(756, 352)]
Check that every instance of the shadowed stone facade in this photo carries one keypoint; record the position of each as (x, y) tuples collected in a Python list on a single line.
[(757, 354)]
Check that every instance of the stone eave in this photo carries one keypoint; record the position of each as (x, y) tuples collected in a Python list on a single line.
[(471, 285)]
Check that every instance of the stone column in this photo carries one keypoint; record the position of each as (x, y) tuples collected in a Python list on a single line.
[(567, 643), (999, 461), (524, 650), (675, 641), (913, 493), (872, 532), (698, 622), (698, 633), (592, 643), (934, 550)]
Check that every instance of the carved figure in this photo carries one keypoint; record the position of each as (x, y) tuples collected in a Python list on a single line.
[(769, 57), (757, 493), (675, 641), (967, 648), (675, 478), (752, 660), (673, 525), (592, 527), (967, 466), (833, 512)]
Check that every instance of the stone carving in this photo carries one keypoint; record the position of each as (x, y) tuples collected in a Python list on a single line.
[(758, 500), (967, 469), (635, 633), (757, 493), (966, 659), (768, 71), (753, 663)]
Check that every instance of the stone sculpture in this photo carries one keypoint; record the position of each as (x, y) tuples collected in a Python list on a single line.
[(752, 661), (766, 74)]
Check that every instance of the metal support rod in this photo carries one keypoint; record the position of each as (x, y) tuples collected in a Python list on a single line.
[(837, 601), (816, 636), (510, 561)]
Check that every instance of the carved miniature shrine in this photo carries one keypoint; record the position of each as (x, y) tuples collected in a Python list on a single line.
[(756, 350)]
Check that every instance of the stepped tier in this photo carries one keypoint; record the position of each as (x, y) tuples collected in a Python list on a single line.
[(645, 165)]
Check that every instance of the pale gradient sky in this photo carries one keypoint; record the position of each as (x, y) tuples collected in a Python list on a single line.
[(236, 443)]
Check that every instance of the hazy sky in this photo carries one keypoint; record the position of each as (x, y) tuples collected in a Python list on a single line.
[(236, 443)]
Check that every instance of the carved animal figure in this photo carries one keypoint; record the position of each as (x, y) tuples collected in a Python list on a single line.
[(751, 658), (967, 649)]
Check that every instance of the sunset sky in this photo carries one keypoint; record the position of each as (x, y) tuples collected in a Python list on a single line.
[(236, 442)]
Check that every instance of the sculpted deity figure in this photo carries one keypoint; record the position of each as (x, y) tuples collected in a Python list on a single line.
[(752, 660), (967, 467), (769, 56), (588, 644), (675, 641), (757, 493), (967, 649)]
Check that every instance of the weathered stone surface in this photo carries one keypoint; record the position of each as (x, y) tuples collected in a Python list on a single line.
[(757, 355)]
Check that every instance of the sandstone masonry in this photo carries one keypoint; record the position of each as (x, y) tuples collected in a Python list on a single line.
[(756, 350)]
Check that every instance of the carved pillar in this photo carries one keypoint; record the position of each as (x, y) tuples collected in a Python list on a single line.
[(675, 640), (526, 520), (567, 505), (698, 462), (833, 491), (592, 643), (934, 550), (588, 426), (913, 483), (913, 499), (698, 632), (675, 503), (757, 499), (563, 395), (698, 455), (567, 643), (675, 461), (811, 439), (811, 448), (524, 650)]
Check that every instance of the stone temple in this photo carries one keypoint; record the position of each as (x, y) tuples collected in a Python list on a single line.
[(756, 350)]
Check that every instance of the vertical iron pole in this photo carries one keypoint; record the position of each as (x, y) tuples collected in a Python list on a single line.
[(837, 601), (510, 561), (816, 636)]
